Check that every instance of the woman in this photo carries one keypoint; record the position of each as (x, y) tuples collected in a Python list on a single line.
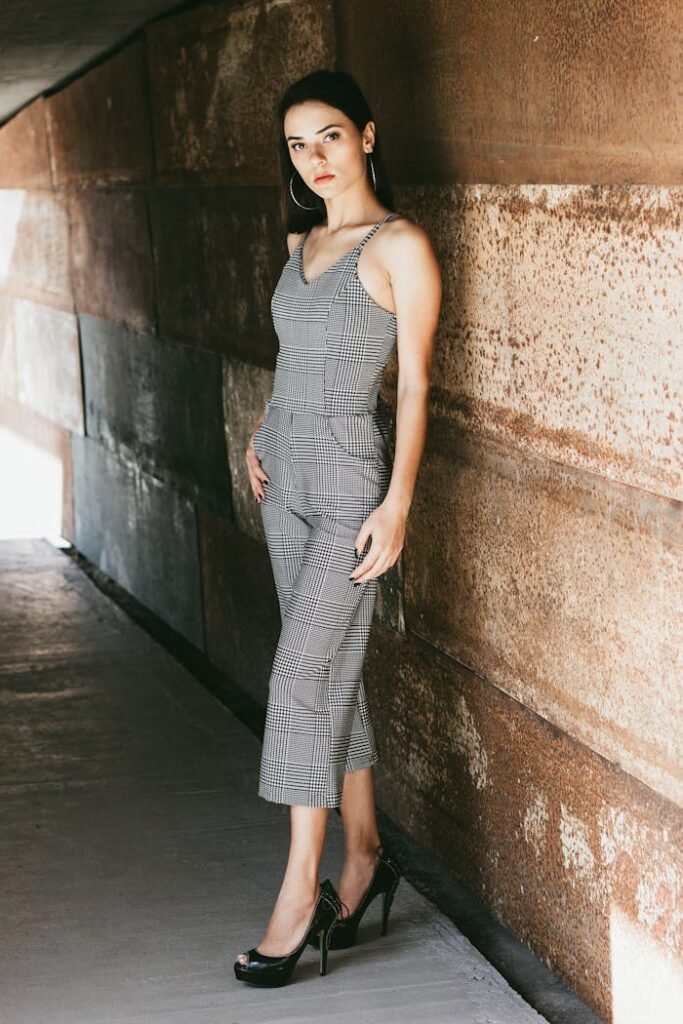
[(334, 503)]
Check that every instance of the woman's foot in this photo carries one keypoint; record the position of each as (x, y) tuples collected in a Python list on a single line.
[(356, 875), (288, 922)]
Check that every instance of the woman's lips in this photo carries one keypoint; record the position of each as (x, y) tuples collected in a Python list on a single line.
[(323, 178)]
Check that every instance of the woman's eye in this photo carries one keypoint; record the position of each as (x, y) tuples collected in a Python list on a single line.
[(328, 136)]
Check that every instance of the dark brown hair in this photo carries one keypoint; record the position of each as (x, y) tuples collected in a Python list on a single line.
[(340, 90)]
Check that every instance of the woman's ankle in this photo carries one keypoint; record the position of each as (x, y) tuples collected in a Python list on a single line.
[(365, 852), (300, 891)]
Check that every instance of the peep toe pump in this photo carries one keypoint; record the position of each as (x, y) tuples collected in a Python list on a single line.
[(272, 971), (385, 880)]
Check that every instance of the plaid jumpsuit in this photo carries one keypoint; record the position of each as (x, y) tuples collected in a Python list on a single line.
[(324, 443)]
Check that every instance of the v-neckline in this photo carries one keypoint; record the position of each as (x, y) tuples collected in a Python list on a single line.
[(300, 251)]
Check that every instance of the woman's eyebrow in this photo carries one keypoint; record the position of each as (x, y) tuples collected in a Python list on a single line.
[(317, 133)]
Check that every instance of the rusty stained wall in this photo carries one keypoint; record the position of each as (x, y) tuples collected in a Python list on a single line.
[(524, 92), (525, 661)]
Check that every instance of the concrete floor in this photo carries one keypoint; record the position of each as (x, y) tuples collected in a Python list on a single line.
[(136, 858)]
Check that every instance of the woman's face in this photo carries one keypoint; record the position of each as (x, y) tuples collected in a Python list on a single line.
[(323, 141)]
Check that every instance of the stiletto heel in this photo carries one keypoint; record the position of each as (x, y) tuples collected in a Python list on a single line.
[(386, 904), (272, 971), (384, 880), (322, 935)]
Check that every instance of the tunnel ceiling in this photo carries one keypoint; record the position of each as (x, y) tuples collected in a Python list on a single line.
[(45, 42)]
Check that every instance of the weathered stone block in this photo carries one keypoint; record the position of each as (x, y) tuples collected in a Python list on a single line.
[(111, 257), (216, 73), (245, 390), (568, 851), (160, 404), (34, 247), (523, 92), (561, 324), (99, 126), (241, 610), (24, 155), (140, 532), (47, 371), (217, 261), (561, 588)]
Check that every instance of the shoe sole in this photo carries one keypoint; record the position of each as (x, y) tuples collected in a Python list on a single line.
[(257, 982)]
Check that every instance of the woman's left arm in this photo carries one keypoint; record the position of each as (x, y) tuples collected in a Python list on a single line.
[(416, 285)]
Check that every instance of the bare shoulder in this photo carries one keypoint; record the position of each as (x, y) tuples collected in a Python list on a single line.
[(293, 239), (405, 244), (413, 271)]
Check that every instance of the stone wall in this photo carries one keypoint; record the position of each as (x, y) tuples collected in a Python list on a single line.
[(525, 661)]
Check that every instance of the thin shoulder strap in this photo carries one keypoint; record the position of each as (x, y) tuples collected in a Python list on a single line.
[(359, 245), (375, 227)]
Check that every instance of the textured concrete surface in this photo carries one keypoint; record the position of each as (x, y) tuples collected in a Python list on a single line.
[(136, 859), (98, 127), (34, 246), (40, 360), (143, 403), (139, 531), (558, 587), (576, 857), (24, 154), (111, 256), (530, 91), (215, 75), (240, 605), (561, 331), (245, 390), (217, 257)]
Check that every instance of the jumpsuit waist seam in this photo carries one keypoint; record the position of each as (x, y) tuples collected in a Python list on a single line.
[(318, 412)]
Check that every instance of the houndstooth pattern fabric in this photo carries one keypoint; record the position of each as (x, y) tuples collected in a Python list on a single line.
[(325, 445)]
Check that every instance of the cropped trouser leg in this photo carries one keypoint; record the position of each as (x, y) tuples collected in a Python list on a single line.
[(317, 720)]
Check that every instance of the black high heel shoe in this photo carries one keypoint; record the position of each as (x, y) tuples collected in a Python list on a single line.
[(272, 971), (385, 880)]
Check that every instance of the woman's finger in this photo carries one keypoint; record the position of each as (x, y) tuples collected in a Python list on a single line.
[(256, 486), (371, 574), (360, 542), (368, 563), (380, 567), (252, 458), (257, 475)]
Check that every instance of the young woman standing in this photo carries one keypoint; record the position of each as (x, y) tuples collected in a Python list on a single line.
[(334, 502)]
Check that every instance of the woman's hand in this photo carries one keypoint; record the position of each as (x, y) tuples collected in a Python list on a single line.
[(386, 524), (257, 475)]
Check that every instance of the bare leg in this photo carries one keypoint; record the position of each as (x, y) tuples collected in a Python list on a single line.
[(361, 837), (300, 887)]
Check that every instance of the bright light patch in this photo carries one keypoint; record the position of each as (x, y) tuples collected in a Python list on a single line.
[(30, 490), (647, 984)]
